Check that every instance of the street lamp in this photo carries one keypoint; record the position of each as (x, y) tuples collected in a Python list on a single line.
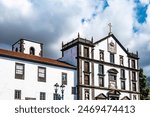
[(56, 95), (62, 91), (56, 87)]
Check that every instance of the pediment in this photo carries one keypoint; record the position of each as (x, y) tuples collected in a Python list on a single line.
[(101, 96), (125, 98)]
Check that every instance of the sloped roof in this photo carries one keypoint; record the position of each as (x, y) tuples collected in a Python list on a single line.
[(111, 35), (33, 58)]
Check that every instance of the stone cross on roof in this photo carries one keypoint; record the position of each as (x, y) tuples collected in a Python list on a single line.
[(110, 28)]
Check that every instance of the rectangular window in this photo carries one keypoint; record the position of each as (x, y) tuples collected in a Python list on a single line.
[(74, 91), (86, 67), (86, 52), (101, 81), (19, 71), (133, 63), (112, 81), (134, 86), (42, 74), (123, 85), (128, 62), (42, 96), (122, 73), (134, 97), (86, 94), (112, 77), (134, 76), (17, 94), (101, 69), (64, 78), (101, 54), (121, 60), (112, 58), (86, 80)]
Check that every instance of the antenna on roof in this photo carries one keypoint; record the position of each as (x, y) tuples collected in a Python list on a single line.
[(110, 28)]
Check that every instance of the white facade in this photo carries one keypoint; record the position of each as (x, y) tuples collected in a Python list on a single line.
[(124, 86), (102, 70), (30, 86)]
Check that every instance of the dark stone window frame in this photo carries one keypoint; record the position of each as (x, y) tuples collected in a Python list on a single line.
[(134, 86), (133, 63), (100, 69), (17, 94), (42, 96), (86, 67), (101, 55), (101, 83), (42, 79), (123, 87), (20, 76), (86, 79), (86, 94), (112, 58), (64, 79), (122, 74), (134, 79), (112, 72), (86, 52), (121, 60)]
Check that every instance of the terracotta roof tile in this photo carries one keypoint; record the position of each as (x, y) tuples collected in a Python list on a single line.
[(22, 56)]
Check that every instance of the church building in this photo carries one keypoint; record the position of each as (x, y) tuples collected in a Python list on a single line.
[(87, 70), (105, 69)]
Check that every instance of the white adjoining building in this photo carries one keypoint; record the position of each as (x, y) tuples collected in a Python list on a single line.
[(102, 70)]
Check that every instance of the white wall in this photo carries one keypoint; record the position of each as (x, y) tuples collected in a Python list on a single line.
[(103, 46), (30, 86), (70, 56), (27, 45), (36, 46)]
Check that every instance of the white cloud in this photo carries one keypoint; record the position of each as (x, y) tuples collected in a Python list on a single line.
[(53, 21)]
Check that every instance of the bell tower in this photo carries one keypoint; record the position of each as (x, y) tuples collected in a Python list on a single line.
[(28, 47)]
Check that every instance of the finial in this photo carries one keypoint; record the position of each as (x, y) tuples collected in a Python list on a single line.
[(137, 53), (62, 43), (78, 35), (110, 28), (92, 39), (127, 50)]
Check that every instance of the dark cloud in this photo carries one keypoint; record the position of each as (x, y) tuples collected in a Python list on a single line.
[(47, 23)]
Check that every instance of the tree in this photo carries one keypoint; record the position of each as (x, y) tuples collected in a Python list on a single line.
[(144, 90)]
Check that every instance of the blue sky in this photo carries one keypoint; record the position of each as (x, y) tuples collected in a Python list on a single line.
[(54, 21)]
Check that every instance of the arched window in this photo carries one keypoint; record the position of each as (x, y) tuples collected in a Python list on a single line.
[(16, 49), (32, 51)]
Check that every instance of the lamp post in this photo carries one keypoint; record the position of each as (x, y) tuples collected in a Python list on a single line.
[(56, 91), (57, 96), (62, 91)]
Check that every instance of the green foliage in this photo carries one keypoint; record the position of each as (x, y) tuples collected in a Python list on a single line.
[(144, 90)]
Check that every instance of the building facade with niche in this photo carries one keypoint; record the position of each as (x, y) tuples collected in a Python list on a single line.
[(101, 70), (105, 69)]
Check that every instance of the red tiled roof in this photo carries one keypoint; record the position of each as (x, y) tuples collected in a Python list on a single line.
[(22, 56)]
